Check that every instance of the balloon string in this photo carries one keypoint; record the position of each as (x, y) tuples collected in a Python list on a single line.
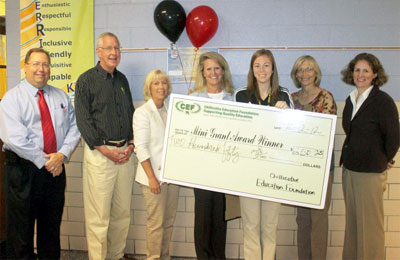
[(194, 60), (183, 70)]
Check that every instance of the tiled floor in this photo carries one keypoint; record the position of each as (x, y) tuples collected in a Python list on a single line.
[(77, 255), (82, 255)]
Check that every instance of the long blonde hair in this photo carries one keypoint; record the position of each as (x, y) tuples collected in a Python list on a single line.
[(201, 85)]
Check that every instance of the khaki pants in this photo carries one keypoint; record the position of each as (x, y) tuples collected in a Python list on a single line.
[(260, 222), (161, 212), (312, 231), (363, 196), (107, 192)]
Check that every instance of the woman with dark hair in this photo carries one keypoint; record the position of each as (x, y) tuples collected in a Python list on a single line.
[(263, 83), (312, 231), (371, 123), (213, 80), (260, 217)]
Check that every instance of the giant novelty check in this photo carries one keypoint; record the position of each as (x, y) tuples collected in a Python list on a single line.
[(280, 155)]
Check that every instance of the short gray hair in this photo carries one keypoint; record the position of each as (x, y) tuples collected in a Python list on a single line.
[(99, 41)]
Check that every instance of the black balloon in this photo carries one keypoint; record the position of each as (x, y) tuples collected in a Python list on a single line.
[(170, 19)]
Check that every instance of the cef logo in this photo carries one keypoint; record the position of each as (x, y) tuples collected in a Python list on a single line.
[(187, 108)]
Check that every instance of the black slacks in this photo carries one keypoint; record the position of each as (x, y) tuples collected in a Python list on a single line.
[(209, 224), (32, 194)]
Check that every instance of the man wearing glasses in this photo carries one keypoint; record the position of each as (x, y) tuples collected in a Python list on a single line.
[(39, 131), (104, 111)]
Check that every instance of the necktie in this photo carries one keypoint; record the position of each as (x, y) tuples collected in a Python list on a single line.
[(49, 137)]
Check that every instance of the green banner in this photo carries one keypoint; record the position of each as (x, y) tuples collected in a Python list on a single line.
[(65, 29)]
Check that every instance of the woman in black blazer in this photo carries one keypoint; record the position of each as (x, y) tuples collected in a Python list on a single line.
[(371, 124)]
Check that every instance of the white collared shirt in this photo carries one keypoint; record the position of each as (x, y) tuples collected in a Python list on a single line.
[(357, 104)]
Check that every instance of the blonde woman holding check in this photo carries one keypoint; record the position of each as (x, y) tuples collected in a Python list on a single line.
[(161, 199), (213, 80)]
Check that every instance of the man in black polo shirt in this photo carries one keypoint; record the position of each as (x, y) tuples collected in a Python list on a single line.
[(104, 112)]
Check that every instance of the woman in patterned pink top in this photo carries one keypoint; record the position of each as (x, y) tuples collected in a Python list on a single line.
[(312, 234)]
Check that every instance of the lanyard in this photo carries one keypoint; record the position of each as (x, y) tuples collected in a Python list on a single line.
[(268, 99)]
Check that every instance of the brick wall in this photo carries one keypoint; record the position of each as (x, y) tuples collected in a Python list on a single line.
[(247, 23), (73, 232)]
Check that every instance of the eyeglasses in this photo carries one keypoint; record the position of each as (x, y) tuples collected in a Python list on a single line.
[(110, 49), (307, 70), (38, 64)]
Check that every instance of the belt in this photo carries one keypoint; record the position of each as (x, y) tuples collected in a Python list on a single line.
[(115, 143), (12, 157)]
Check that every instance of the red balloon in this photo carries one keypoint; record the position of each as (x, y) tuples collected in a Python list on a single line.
[(201, 25)]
